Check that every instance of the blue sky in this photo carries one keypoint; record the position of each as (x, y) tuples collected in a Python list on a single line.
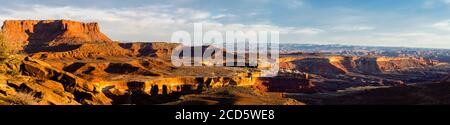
[(408, 23)]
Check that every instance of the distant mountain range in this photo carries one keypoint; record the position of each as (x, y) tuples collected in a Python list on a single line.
[(340, 47)]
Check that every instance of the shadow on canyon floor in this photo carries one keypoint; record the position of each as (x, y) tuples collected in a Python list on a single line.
[(425, 94), (232, 95)]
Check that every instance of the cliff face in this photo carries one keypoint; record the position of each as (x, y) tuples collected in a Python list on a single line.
[(32, 33), (165, 86), (87, 50), (342, 65), (156, 49)]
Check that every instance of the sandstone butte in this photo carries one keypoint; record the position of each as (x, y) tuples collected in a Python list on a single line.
[(47, 32), (87, 67), (345, 64)]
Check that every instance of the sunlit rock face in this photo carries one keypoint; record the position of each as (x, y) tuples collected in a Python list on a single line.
[(60, 39), (183, 84), (59, 31), (342, 64), (52, 32)]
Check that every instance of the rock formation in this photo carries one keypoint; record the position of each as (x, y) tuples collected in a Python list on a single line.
[(71, 63), (32, 34), (49, 85), (342, 65), (60, 39), (154, 49)]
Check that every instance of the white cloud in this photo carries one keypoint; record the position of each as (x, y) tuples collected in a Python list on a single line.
[(294, 3), (352, 28), (308, 31), (442, 25), (261, 27), (415, 39), (222, 16), (433, 3), (446, 1)]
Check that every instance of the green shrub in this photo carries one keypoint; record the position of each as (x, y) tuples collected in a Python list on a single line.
[(13, 72), (4, 49), (20, 98)]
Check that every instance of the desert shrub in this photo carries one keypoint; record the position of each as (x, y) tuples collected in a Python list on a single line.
[(20, 98), (4, 49), (10, 66), (13, 72)]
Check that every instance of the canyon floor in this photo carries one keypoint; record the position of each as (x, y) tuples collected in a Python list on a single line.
[(424, 94)]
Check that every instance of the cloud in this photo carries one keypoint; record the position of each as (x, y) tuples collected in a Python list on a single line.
[(442, 25), (308, 31), (295, 3), (222, 16), (415, 39), (352, 28), (446, 1), (261, 27), (433, 3), (393, 39)]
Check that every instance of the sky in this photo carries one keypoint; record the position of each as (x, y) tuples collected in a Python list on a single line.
[(403, 23)]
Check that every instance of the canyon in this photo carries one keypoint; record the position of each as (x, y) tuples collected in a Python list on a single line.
[(338, 72), (82, 62), (62, 62)]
